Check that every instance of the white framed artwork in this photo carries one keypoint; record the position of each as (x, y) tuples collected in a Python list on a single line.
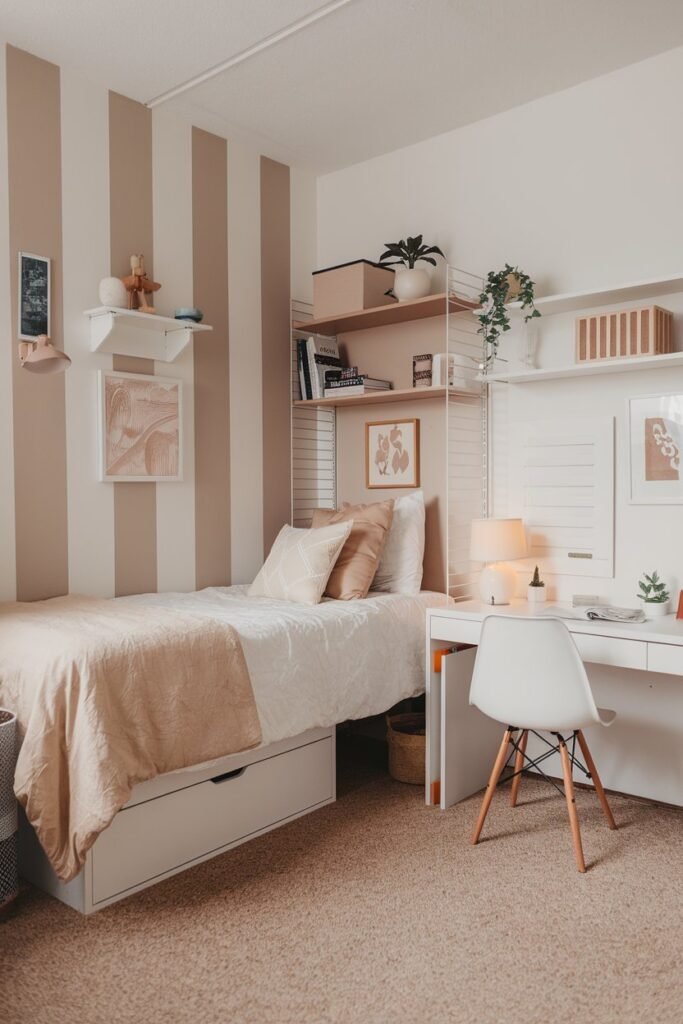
[(392, 454), (140, 428), (655, 425)]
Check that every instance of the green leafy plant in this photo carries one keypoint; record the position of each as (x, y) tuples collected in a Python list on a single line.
[(494, 319), (537, 581), (652, 590), (409, 251)]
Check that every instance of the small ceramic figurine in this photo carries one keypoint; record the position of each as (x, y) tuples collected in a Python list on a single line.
[(113, 292), (138, 285)]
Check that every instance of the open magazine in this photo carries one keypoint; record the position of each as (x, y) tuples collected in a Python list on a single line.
[(598, 612)]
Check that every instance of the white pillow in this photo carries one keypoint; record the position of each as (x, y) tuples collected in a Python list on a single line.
[(300, 562), (400, 567)]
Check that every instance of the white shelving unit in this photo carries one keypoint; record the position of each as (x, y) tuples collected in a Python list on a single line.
[(128, 332), (586, 302)]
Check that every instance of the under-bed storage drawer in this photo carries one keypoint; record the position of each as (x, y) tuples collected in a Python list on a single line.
[(156, 837)]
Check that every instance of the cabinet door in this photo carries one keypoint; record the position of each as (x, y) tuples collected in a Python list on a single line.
[(469, 740)]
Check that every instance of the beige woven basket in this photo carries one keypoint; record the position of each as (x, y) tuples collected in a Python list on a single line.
[(407, 740)]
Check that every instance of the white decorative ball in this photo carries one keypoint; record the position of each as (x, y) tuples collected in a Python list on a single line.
[(113, 292)]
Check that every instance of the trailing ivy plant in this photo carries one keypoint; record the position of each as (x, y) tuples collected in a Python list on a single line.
[(494, 319), (652, 590), (409, 251)]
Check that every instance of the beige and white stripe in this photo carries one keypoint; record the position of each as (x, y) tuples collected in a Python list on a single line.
[(100, 178)]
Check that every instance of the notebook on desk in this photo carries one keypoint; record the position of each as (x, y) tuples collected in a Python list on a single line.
[(603, 613)]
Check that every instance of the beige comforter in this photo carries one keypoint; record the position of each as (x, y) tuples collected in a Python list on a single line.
[(108, 695)]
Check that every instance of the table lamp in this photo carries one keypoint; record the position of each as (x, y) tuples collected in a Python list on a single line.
[(492, 541)]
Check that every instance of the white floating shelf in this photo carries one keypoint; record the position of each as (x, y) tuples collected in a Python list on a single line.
[(673, 360), (636, 290), (128, 332)]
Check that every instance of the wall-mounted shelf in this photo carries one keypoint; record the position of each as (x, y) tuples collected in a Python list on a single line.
[(381, 316), (380, 397), (128, 332), (568, 302), (631, 364)]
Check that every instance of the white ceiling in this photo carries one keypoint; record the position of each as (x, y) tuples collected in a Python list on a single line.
[(372, 76)]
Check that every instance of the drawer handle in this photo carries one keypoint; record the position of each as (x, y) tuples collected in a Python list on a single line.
[(226, 776)]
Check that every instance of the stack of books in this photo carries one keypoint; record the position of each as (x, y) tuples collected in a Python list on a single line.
[(322, 374), (349, 381)]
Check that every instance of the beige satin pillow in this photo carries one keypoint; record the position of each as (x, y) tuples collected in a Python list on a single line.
[(299, 564), (357, 563)]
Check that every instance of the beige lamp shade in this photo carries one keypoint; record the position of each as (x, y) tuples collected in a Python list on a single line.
[(497, 540), (42, 357)]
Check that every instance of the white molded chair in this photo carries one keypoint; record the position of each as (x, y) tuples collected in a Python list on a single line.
[(528, 674)]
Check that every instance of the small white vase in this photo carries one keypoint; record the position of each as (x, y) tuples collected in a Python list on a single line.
[(653, 609), (113, 292), (411, 284), (536, 595)]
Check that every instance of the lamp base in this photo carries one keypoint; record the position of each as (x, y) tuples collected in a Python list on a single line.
[(497, 584)]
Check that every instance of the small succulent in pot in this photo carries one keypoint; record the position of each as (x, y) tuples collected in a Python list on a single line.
[(536, 589), (502, 286), (654, 596), (413, 282)]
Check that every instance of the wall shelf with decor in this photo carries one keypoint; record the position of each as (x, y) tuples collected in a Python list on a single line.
[(670, 360), (335, 439), (128, 332), (382, 316)]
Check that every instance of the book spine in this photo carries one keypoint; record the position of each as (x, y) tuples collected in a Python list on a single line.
[(312, 369), (350, 383), (300, 368), (308, 393)]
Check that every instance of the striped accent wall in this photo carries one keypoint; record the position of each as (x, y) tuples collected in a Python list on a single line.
[(100, 177)]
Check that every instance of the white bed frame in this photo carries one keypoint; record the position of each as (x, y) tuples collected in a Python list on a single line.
[(177, 820)]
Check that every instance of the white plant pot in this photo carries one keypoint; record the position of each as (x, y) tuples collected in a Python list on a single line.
[(655, 610), (411, 284), (536, 595), (113, 292)]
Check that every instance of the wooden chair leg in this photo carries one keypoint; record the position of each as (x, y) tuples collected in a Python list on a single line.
[(571, 805), (493, 782), (519, 764), (590, 765)]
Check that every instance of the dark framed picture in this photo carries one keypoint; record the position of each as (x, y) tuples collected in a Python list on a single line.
[(34, 296), (392, 454)]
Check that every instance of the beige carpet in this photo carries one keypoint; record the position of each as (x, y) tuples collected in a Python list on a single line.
[(376, 909)]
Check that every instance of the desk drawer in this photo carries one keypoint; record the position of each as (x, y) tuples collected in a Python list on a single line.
[(665, 658), (463, 631), (163, 834), (606, 650)]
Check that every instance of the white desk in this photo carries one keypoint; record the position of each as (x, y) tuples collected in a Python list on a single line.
[(461, 742)]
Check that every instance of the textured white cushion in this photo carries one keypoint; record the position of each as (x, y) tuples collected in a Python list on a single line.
[(300, 562), (400, 567)]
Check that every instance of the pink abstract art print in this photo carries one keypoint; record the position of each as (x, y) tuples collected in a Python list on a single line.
[(140, 427)]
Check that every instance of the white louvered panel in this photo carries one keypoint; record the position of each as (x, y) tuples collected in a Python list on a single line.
[(466, 439), (314, 443), (564, 489)]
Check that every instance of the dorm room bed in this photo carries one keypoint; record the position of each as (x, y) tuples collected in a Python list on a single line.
[(311, 667)]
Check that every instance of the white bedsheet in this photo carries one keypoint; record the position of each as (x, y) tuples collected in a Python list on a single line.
[(317, 666)]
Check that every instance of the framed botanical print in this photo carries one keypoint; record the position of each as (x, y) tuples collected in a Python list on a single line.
[(656, 442), (392, 454), (140, 427), (34, 296)]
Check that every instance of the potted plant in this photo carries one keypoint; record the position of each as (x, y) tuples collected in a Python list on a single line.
[(502, 286), (536, 589), (653, 596), (413, 282)]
